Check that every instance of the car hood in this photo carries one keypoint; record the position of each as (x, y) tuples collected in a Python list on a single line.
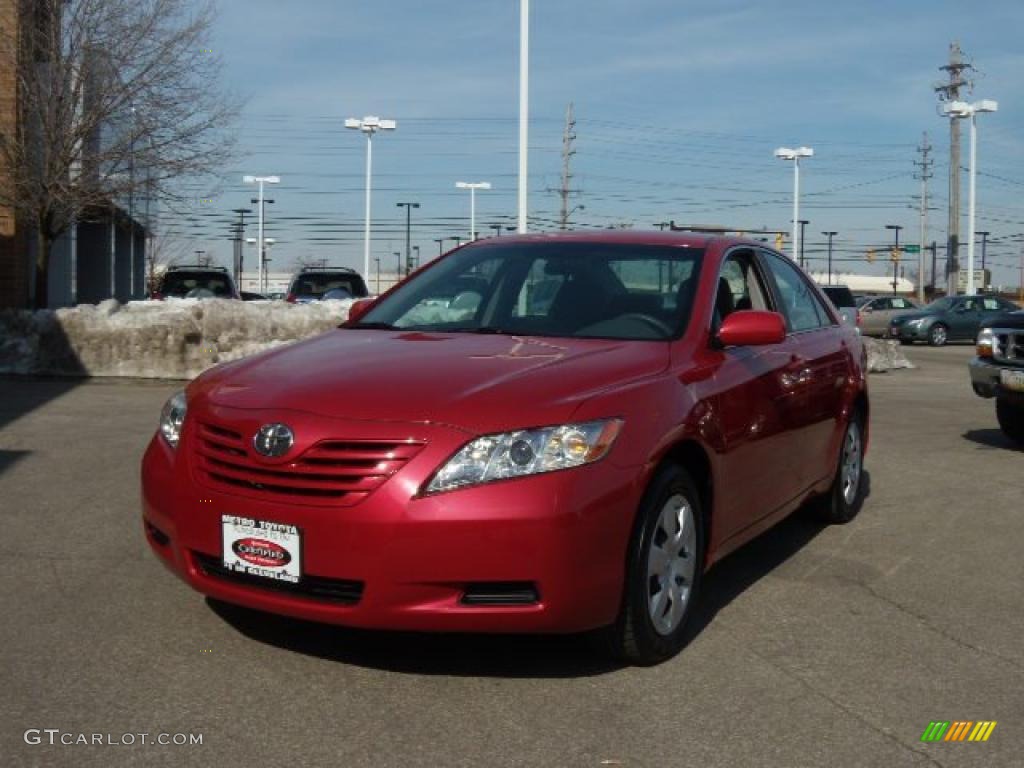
[(480, 383), (1013, 320)]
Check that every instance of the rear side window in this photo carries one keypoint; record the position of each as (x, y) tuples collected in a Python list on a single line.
[(803, 310), (840, 296)]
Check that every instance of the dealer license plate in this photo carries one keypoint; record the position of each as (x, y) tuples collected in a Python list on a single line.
[(1012, 380), (261, 548)]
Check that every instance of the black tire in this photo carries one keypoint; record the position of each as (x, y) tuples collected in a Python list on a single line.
[(938, 335), (835, 507), (633, 637), (1011, 419)]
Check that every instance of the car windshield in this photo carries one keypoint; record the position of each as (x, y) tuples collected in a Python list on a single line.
[(584, 290), (941, 305), (196, 284), (316, 284)]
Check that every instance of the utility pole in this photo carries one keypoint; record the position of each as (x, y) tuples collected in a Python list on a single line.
[(661, 225), (1020, 294), (950, 92), (568, 137), (199, 258), (497, 229), (895, 255), (239, 237), (924, 164), (408, 233), (934, 247)]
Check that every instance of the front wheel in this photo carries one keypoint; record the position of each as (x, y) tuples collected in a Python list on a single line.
[(938, 335), (1011, 419), (663, 571), (844, 499)]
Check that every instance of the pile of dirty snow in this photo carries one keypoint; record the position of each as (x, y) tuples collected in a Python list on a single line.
[(885, 355), (176, 338)]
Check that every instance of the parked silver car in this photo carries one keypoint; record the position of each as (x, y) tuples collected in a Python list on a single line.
[(875, 312)]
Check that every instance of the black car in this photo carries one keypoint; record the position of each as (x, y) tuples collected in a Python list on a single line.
[(196, 282), (998, 370), (318, 283)]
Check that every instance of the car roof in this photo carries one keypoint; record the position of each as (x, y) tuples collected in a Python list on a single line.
[(624, 236)]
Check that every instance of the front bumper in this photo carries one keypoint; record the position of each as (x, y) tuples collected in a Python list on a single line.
[(985, 378), (908, 332), (406, 562)]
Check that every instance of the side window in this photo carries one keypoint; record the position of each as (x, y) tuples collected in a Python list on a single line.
[(739, 286), (884, 304), (801, 307), (990, 304), (899, 303)]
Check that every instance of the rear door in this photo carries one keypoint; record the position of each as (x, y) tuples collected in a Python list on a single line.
[(874, 316), (818, 367), (965, 318)]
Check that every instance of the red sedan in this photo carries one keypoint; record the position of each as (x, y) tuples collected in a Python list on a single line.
[(566, 443)]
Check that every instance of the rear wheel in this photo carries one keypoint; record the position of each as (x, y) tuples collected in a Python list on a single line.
[(1011, 419), (844, 499), (938, 335), (663, 572)]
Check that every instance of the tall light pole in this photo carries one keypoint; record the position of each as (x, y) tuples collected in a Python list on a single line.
[(785, 153), (369, 125), (416, 257), (963, 109), (267, 241), (830, 235), (472, 186), (440, 245), (260, 181), (524, 106), (408, 233), (895, 255)]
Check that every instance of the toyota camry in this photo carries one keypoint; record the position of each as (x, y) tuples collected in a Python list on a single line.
[(567, 443)]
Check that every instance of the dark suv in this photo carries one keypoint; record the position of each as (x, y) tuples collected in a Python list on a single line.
[(998, 370), (196, 282), (317, 283)]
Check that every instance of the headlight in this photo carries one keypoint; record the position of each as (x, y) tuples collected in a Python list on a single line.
[(985, 346), (526, 452), (917, 323), (172, 417)]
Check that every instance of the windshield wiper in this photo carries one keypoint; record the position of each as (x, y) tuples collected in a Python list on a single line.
[(375, 326), (483, 329)]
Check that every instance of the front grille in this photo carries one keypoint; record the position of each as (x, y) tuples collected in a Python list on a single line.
[(342, 591), (334, 472), (1009, 345)]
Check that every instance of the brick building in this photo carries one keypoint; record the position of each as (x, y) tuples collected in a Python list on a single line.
[(96, 259)]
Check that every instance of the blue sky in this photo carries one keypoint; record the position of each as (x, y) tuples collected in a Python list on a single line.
[(679, 106)]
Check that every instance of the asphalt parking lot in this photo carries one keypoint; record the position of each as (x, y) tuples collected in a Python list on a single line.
[(816, 646)]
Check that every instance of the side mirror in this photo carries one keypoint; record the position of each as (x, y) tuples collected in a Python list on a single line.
[(358, 309), (751, 328)]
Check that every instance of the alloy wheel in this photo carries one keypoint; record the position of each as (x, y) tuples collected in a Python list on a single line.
[(851, 466)]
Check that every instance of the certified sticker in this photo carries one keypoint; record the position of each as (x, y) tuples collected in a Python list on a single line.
[(261, 548)]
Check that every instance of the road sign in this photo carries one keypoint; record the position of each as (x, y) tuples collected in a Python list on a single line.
[(911, 248), (982, 278)]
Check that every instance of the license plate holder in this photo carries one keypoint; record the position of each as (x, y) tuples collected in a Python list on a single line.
[(261, 548), (1012, 380)]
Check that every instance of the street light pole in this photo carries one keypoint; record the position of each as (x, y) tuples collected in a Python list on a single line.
[(408, 233), (785, 153), (416, 258), (260, 181), (896, 255), (472, 186), (524, 106), (377, 260), (962, 109), (369, 125), (830, 235), (984, 244), (398, 266), (440, 245)]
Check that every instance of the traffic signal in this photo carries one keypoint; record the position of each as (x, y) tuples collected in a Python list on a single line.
[(871, 255), (894, 254), (780, 240)]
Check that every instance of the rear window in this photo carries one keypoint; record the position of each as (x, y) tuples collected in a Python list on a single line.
[(840, 295), (197, 285), (316, 284)]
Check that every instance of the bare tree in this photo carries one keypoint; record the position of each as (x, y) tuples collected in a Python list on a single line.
[(162, 252), (118, 100)]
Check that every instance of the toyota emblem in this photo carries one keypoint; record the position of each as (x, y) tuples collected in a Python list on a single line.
[(273, 440)]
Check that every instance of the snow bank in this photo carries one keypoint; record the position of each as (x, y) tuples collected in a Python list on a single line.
[(885, 355), (176, 338)]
